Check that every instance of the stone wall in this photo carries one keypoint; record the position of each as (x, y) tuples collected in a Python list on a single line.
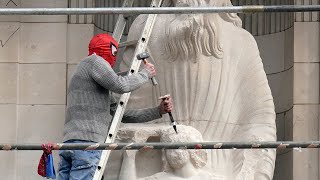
[(37, 55)]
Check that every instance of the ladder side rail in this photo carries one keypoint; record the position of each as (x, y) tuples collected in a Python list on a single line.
[(141, 46), (121, 22)]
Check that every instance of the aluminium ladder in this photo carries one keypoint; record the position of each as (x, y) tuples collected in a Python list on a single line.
[(140, 47)]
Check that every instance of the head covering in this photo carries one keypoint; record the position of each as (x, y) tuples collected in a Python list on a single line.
[(105, 46)]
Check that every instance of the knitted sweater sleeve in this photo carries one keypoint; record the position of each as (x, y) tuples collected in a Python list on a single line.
[(104, 75), (136, 115)]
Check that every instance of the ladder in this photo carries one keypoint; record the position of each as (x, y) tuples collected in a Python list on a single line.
[(141, 46)]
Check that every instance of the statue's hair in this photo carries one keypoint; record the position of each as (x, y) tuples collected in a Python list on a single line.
[(186, 40), (185, 134)]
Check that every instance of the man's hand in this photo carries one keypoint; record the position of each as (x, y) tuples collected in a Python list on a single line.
[(150, 68), (166, 106)]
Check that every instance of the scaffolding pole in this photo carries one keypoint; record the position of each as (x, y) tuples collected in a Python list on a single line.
[(151, 146), (158, 10)]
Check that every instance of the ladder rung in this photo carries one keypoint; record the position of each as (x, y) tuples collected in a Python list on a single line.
[(128, 43)]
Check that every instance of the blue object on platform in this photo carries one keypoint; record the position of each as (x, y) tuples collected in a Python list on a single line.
[(50, 172)]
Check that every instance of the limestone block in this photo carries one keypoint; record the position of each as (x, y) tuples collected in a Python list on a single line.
[(43, 42), (40, 123), (306, 83), (9, 4), (8, 119), (272, 51), (8, 165), (281, 87), (305, 164), (8, 81), (79, 36), (9, 41), (44, 4), (27, 164), (8, 135), (71, 68), (306, 41), (305, 122), (289, 48), (305, 127), (42, 84), (283, 168)]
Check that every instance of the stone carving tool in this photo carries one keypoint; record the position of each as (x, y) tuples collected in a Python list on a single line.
[(163, 98), (143, 56)]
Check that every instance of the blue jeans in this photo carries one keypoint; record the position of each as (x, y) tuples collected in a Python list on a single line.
[(78, 164)]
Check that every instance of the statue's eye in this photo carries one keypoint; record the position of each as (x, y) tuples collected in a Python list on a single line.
[(114, 49)]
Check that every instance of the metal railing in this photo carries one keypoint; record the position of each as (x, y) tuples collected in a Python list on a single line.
[(150, 146), (160, 10)]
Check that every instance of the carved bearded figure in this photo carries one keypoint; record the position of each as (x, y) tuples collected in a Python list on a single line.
[(214, 73)]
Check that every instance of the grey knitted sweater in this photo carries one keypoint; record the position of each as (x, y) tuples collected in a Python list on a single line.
[(90, 104)]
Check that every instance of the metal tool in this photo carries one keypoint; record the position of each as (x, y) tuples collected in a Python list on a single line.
[(163, 98), (143, 56)]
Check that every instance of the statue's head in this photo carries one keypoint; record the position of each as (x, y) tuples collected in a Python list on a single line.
[(177, 158), (190, 35)]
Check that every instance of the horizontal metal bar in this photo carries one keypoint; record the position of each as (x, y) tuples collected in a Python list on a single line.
[(158, 10), (147, 146)]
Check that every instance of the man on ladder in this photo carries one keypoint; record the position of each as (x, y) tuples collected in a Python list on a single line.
[(88, 113)]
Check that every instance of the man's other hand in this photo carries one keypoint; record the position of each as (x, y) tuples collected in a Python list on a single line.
[(166, 106)]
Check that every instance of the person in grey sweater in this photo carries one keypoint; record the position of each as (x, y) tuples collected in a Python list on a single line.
[(90, 106)]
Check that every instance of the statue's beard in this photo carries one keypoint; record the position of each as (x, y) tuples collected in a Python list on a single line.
[(189, 36)]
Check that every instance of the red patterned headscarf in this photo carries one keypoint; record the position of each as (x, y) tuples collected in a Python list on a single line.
[(105, 46)]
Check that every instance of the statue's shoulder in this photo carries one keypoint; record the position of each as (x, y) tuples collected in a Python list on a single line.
[(136, 27), (139, 21), (237, 32), (237, 36)]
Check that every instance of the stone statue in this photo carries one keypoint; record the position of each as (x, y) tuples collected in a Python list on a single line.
[(176, 163), (213, 71)]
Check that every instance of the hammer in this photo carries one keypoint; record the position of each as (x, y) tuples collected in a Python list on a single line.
[(163, 98), (143, 56)]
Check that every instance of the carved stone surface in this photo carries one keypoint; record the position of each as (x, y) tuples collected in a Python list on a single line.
[(175, 163), (213, 71)]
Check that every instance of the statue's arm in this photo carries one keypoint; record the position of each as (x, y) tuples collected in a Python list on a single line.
[(257, 119)]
